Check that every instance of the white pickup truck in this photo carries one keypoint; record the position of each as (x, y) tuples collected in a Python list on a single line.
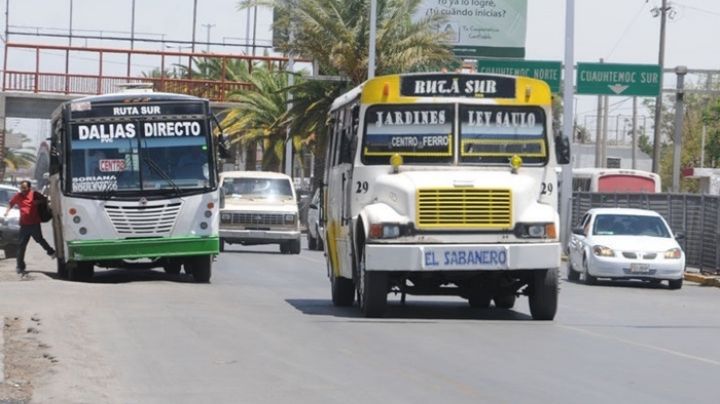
[(259, 207)]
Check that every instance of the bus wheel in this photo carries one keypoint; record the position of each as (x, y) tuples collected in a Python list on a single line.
[(172, 268), (343, 291), (504, 301), (80, 271), (62, 270), (479, 300), (372, 289), (284, 248), (544, 294), (200, 267)]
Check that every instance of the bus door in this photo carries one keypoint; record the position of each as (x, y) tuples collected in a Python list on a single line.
[(339, 226)]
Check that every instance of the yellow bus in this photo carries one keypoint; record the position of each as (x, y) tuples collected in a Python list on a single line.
[(443, 184)]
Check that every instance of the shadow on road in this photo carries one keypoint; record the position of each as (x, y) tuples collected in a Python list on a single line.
[(415, 310), (622, 284), (127, 276)]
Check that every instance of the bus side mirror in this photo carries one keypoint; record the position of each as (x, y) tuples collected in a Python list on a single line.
[(562, 149)]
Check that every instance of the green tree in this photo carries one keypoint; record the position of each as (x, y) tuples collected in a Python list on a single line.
[(18, 158)]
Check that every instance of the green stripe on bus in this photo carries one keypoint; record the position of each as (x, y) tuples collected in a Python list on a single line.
[(93, 250)]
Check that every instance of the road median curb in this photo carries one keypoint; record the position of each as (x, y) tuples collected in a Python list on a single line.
[(703, 279)]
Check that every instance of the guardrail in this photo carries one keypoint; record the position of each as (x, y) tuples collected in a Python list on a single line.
[(698, 216)]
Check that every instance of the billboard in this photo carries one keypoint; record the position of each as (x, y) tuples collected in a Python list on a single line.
[(481, 28)]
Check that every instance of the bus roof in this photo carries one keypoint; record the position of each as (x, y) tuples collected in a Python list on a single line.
[(149, 95), (589, 171), (451, 87)]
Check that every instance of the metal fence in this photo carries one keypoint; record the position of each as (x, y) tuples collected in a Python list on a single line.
[(698, 216)]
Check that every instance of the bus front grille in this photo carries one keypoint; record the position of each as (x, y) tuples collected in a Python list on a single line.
[(149, 220), (464, 208)]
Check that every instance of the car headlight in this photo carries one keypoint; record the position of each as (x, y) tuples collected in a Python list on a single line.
[(290, 218), (673, 253), (226, 217), (535, 230), (384, 230), (602, 251)]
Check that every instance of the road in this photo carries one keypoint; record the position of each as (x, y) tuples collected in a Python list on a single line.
[(265, 331)]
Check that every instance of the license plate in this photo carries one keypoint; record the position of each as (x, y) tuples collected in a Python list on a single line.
[(639, 268), (465, 258)]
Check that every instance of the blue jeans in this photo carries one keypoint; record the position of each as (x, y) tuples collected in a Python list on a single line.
[(27, 231)]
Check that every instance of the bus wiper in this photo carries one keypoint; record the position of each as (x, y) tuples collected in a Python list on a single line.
[(159, 171)]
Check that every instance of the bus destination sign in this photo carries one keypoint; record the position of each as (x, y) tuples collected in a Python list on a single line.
[(459, 85)]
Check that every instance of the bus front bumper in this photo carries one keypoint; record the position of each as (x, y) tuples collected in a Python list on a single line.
[(95, 250), (461, 257)]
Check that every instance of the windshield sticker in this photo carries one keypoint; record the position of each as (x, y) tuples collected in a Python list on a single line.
[(94, 184), (112, 166), (410, 131)]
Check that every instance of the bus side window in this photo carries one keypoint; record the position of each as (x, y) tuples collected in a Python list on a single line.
[(346, 136)]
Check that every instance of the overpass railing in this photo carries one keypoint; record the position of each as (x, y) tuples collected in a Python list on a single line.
[(209, 75)]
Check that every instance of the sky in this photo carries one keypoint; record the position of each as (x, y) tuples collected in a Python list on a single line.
[(619, 31)]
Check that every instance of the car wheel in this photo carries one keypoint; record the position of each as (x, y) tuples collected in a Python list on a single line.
[(589, 279), (222, 245), (10, 251), (343, 291), (312, 242), (544, 294), (294, 247), (572, 274), (675, 283), (371, 289), (505, 301)]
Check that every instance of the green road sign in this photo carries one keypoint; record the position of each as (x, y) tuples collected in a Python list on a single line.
[(618, 79), (543, 70)]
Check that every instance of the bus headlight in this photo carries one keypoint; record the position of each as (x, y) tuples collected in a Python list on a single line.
[(535, 230), (384, 230)]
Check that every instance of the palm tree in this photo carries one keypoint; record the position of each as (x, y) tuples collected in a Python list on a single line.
[(334, 33), (260, 115), (18, 158)]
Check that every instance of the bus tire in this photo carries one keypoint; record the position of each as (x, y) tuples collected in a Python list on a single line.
[(200, 267), (284, 248), (62, 270), (544, 294), (10, 251), (80, 271), (372, 290), (343, 291), (506, 301), (172, 268)]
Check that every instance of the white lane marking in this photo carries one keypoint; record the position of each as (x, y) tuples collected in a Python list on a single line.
[(646, 346)]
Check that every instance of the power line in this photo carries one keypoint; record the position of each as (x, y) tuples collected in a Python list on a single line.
[(625, 31), (702, 10)]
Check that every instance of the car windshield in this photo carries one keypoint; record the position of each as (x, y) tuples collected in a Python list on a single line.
[(629, 225), (279, 188)]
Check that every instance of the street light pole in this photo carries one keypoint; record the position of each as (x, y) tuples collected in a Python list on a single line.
[(568, 119), (373, 35), (208, 27), (658, 101)]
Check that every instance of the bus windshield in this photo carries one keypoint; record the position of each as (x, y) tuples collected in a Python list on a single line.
[(425, 133), (128, 163), (492, 134)]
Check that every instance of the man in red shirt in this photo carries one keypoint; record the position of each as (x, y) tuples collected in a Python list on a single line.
[(26, 200)]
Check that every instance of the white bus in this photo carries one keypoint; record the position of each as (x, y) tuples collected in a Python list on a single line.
[(443, 184), (134, 183), (622, 180)]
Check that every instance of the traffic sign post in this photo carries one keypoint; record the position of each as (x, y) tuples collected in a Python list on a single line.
[(549, 71), (618, 79)]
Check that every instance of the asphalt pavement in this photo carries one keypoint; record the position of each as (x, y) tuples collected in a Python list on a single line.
[(265, 331)]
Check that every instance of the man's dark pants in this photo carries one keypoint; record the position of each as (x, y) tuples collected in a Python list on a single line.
[(27, 231)]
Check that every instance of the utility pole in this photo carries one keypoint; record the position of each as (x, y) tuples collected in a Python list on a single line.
[(658, 101), (192, 49), (598, 130), (208, 27), (132, 37), (634, 133), (680, 71), (568, 119)]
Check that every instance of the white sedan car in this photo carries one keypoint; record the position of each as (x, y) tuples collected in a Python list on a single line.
[(625, 244)]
